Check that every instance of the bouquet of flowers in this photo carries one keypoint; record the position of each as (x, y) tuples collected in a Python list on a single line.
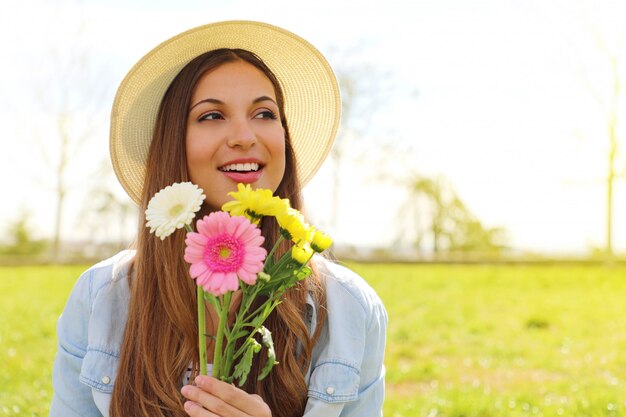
[(226, 255)]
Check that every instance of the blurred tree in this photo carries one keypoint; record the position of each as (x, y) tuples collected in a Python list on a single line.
[(609, 102), (362, 87), (437, 213), (71, 88), (608, 94), (612, 118), (108, 216), (21, 241)]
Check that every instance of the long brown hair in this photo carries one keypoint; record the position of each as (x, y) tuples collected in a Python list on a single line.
[(160, 340)]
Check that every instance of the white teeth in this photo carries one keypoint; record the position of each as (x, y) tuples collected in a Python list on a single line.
[(241, 167)]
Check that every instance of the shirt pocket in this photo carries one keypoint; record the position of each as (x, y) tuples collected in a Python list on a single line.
[(99, 370), (334, 382)]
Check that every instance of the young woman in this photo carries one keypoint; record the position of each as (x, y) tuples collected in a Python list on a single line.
[(226, 103)]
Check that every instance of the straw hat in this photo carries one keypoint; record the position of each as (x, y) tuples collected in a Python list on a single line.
[(312, 102)]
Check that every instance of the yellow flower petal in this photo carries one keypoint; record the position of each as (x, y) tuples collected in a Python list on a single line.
[(254, 204), (292, 222)]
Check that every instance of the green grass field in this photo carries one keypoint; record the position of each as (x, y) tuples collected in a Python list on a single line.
[(463, 340)]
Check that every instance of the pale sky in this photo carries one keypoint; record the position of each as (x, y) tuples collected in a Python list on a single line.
[(504, 98)]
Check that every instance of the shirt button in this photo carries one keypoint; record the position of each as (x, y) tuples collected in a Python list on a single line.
[(105, 380), (330, 390)]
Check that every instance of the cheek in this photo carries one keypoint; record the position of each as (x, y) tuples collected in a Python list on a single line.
[(279, 153), (199, 154), (277, 143), (192, 142)]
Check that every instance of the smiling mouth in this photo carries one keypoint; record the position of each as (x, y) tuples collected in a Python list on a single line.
[(247, 167)]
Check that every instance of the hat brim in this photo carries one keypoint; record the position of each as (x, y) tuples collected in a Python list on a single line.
[(312, 100)]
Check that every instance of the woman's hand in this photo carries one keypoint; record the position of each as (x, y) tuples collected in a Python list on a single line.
[(214, 398)]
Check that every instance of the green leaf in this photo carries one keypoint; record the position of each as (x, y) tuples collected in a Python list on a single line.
[(242, 369), (303, 273), (258, 320), (271, 353), (213, 300), (239, 334)]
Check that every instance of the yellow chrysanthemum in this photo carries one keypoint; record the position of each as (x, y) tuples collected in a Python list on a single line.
[(294, 227), (301, 253), (321, 241), (254, 204)]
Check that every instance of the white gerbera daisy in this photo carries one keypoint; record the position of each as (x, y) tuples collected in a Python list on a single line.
[(173, 207)]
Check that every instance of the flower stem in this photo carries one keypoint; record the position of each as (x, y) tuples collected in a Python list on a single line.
[(269, 256), (202, 331), (227, 363), (280, 264), (223, 322)]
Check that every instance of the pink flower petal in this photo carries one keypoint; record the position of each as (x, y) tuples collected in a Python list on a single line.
[(198, 269), (195, 239), (247, 277), (204, 278), (249, 234), (223, 248), (231, 226), (212, 282), (231, 283)]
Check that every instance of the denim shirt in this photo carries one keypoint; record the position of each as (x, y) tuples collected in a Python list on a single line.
[(346, 376)]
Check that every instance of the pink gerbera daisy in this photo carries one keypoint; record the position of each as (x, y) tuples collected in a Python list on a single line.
[(223, 249)]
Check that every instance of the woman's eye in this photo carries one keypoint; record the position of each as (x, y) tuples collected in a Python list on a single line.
[(266, 114), (211, 116)]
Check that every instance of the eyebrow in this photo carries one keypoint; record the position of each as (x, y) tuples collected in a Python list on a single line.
[(207, 100), (263, 98), (220, 102)]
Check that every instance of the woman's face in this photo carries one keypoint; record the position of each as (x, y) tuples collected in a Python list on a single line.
[(234, 132)]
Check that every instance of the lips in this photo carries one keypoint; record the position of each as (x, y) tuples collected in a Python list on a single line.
[(241, 167), (243, 171)]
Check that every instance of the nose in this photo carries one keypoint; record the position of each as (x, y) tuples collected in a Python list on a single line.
[(241, 135)]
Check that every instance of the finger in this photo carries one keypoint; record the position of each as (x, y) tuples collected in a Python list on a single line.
[(196, 410), (209, 402), (251, 405)]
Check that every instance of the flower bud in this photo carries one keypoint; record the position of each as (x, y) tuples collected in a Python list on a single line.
[(262, 276), (321, 241), (301, 253)]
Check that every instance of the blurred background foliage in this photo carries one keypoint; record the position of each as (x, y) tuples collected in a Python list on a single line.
[(431, 211)]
